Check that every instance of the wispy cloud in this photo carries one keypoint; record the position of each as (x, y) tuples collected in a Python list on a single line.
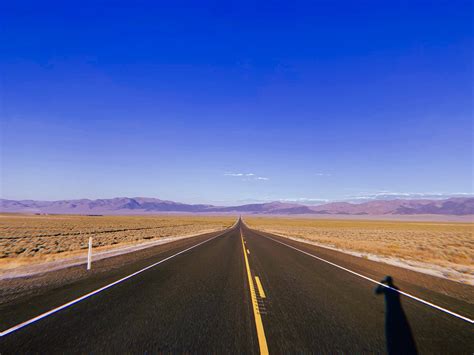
[(247, 176), (322, 174), (389, 195), (239, 174)]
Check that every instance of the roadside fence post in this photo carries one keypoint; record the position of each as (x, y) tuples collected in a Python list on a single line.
[(89, 255)]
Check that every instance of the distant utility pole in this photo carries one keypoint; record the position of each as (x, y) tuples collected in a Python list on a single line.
[(89, 254)]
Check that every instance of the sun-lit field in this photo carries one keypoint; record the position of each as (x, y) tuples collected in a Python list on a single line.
[(442, 244), (49, 237)]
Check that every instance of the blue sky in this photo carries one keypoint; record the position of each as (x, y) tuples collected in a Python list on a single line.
[(226, 102)]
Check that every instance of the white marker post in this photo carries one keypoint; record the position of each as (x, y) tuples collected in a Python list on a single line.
[(89, 254)]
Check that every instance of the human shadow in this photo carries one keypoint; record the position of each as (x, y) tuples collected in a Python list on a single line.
[(398, 335)]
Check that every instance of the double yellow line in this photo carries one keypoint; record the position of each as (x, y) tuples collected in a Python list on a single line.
[(262, 341)]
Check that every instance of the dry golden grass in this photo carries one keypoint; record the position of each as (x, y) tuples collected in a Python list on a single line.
[(437, 243), (30, 237)]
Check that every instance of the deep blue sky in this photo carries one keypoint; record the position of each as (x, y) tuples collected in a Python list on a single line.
[(318, 100)]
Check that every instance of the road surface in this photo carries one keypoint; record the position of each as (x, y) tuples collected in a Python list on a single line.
[(242, 291)]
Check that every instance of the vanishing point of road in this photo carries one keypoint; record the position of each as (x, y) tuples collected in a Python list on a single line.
[(240, 291)]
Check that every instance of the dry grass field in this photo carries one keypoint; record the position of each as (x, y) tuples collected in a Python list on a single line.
[(27, 238), (445, 245)]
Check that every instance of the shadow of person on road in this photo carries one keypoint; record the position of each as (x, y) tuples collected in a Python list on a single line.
[(398, 335)]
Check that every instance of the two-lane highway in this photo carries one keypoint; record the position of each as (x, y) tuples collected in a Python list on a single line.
[(240, 292)]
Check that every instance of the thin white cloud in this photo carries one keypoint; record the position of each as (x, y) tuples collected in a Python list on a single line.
[(389, 195), (239, 174), (322, 174), (247, 176)]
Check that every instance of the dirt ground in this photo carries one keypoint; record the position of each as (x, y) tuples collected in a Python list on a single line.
[(26, 239)]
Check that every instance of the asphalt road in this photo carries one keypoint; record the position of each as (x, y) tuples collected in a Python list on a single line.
[(201, 300)]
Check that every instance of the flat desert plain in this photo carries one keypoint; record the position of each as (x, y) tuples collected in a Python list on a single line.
[(37, 238), (443, 249)]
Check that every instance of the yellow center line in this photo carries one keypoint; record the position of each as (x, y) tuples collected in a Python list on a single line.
[(260, 288), (262, 341)]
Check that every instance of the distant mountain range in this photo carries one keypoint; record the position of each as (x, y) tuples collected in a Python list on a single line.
[(140, 205)]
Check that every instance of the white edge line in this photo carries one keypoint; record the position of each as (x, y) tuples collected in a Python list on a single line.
[(378, 283), (70, 303)]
